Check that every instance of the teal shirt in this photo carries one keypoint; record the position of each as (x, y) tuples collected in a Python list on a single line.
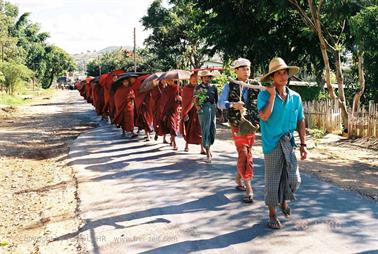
[(283, 119)]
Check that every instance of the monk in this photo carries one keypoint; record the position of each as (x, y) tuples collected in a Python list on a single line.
[(98, 97), (101, 83), (190, 126), (143, 106), (109, 100), (158, 104), (124, 101), (171, 116), (88, 89)]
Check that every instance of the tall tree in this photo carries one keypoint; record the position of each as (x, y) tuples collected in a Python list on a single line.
[(259, 31), (176, 38), (328, 20), (57, 63), (365, 33)]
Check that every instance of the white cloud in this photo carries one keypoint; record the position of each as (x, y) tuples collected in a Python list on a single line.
[(80, 25)]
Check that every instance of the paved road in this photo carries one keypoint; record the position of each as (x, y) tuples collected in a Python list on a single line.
[(139, 197)]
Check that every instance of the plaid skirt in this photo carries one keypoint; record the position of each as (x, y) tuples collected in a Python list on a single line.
[(282, 176)]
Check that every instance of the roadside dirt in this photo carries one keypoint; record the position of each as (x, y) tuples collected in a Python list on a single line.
[(38, 188)]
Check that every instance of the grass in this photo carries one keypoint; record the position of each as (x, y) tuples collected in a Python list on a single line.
[(23, 97), (316, 133)]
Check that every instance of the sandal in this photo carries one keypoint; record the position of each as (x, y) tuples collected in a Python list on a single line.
[(274, 223), (203, 153), (186, 150), (286, 211), (248, 199), (240, 187)]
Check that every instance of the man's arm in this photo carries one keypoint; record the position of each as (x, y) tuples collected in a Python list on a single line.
[(302, 137), (267, 110)]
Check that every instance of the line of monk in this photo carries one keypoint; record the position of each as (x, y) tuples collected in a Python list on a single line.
[(164, 109)]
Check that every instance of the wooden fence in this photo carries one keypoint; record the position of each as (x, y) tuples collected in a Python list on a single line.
[(326, 115), (323, 115), (364, 123)]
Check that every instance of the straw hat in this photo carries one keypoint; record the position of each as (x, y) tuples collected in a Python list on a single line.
[(277, 64), (241, 62), (207, 73)]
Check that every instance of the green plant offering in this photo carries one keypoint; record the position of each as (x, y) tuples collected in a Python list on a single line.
[(201, 97)]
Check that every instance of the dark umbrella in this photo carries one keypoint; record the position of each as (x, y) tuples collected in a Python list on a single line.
[(175, 75), (208, 69), (150, 82), (116, 84)]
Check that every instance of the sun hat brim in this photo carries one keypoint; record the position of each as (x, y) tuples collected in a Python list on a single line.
[(292, 71)]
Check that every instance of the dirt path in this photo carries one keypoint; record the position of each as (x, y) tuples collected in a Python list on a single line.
[(38, 189)]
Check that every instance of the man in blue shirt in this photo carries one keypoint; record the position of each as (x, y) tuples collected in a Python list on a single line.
[(234, 99), (281, 113)]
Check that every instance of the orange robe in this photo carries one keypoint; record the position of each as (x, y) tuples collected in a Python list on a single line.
[(124, 108), (98, 98), (109, 102)]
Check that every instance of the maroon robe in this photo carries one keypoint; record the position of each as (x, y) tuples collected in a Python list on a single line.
[(190, 126), (98, 98), (143, 106), (124, 108), (158, 105), (171, 115)]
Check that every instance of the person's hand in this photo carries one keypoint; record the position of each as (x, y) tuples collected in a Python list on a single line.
[(303, 152), (238, 105), (271, 90)]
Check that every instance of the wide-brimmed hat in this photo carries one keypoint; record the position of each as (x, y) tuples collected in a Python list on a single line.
[(277, 64), (207, 73), (241, 62)]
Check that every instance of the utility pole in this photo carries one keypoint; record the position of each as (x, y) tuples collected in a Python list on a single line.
[(135, 67)]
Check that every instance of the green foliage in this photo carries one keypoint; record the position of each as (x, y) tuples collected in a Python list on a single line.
[(110, 61), (316, 133), (307, 93), (365, 32), (10, 100), (259, 31), (14, 73), (177, 39), (200, 95), (22, 43)]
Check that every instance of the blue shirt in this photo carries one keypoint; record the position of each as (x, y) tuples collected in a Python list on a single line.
[(283, 120), (223, 102)]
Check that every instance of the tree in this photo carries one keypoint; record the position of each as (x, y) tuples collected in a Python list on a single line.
[(13, 74), (365, 33), (57, 63), (327, 19), (259, 31), (110, 61), (176, 40)]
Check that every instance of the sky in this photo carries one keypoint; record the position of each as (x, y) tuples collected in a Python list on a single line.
[(81, 25)]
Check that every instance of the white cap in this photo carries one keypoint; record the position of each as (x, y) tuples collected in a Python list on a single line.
[(241, 62)]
